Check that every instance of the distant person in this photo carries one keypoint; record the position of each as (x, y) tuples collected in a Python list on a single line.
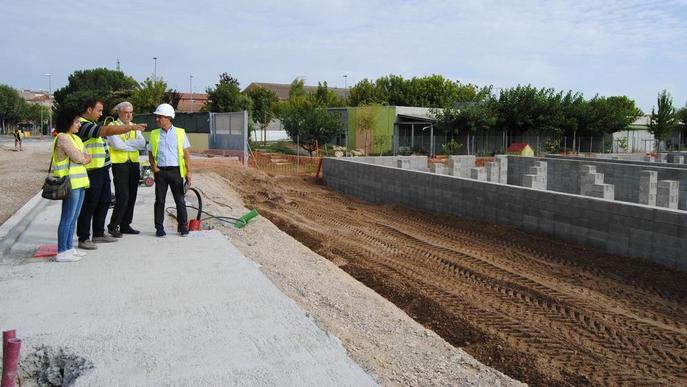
[(126, 171), (68, 158), (169, 159), (98, 195), (18, 137)]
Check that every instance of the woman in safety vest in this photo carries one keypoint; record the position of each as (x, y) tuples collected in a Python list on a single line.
[(68, 158)]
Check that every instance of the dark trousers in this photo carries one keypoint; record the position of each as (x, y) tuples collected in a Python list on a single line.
[(95, 204), (169, 177), (125, 177)]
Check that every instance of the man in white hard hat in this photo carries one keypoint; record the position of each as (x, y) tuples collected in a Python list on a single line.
[(169, 159)]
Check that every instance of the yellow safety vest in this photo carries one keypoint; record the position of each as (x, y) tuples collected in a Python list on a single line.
[(78, 177), (181, 135), (119, 156), (97, 148)]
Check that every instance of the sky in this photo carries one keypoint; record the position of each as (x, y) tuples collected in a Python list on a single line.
[(628, 47)]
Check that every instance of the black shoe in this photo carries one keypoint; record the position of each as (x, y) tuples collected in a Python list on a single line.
[(160, 233), (129, 230), (183, 232), (114, 231)]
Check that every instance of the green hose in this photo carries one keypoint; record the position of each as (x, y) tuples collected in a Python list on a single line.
[(243, 221)]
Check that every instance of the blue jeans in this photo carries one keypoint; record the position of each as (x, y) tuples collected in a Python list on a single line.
[(71, 207)]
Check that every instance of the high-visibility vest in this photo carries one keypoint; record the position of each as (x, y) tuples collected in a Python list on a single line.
[(78, 177), (119, 156), (181, 135), (97, 148)]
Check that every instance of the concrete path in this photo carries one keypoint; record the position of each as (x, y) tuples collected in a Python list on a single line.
[(162, 311)]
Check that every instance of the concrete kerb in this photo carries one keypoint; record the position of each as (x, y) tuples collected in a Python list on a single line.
[(13, 227)]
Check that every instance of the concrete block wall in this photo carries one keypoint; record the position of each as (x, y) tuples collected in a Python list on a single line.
[(628, 229), (492, 169), (478, 173), (563, 175), (634, 160), (418, 163)]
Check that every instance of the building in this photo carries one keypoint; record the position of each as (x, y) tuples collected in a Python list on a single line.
[(37, 97), (282, 89), (191, 102)]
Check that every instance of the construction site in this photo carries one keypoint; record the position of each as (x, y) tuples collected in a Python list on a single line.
[(457, 271)]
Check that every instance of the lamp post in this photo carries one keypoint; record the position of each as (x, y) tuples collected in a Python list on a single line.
[(190, 83), (50, 100), (345, 81), (155, 69)]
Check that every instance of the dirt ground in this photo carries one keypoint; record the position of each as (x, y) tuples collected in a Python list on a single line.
[(22, 172), (541, 311)]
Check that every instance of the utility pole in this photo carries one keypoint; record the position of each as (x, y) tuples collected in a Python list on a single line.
[(190, 82), (155, 69)]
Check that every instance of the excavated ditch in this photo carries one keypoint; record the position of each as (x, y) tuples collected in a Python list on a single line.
[(542, 311)]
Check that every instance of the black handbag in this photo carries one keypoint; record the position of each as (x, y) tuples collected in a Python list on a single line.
[(56, 188)]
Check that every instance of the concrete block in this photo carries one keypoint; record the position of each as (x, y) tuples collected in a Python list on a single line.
[(438, 168), (667, 193), (403, 164), (492, 172), (478, 173), (648, 183), (502, 162)]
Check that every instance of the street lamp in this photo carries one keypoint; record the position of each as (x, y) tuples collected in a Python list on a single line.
[(155, 69), (190, 82), (50, 100), (345, 81)]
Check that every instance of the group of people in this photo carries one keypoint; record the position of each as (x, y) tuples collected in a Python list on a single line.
[(86, 151)]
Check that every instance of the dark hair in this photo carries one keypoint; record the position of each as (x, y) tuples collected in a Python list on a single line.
[(90, 103), (64, 121)]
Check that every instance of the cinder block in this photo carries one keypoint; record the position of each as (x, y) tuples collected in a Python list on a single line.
[(403, 164), (438, 168), (648, 183), (478, 173), (492, 172), (667, 193)]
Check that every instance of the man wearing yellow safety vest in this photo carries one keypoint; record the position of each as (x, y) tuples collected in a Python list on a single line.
[(98, 196), (169, 160), (125, 171)]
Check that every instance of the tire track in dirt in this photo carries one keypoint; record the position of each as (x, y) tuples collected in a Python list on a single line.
[(542, 311)]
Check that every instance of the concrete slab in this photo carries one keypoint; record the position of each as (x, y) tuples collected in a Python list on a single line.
[(165, 311)]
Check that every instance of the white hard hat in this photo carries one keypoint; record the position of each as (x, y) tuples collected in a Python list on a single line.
[(165, 109)]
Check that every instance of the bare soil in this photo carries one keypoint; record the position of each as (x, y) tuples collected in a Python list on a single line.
[(542, 311), (22, 172)]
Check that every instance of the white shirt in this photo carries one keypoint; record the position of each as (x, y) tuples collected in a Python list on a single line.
[(167, 153), (137, 143)]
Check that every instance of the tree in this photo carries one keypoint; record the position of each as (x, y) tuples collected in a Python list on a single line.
[(110, 86), (365, 120), (326, 97), (309, 123), (470, 118), (263, 107), (365, 93), (172, 97), (663, 121), (226, 96), (148, 95), (12, 106)]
